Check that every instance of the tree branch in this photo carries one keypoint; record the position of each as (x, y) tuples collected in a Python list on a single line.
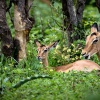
[(98, 4), (72, 12), (5, 33), (20, 83), (80, 9)]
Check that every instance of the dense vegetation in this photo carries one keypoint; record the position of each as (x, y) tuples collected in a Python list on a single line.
[(50, 85)]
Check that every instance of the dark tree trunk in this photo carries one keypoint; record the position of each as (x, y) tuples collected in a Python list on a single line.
[(72, 12), (5, 34), (72, 17), (98, 4), (67, 24), (80, 9), (23, 24)]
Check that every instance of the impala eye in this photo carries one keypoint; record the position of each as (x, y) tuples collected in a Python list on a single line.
[(93, 34), (45, 50), (95, 41)]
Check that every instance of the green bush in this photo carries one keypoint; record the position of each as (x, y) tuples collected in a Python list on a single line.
[(60, 86)]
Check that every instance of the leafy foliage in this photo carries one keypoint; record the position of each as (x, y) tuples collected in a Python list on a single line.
[(61, 86)]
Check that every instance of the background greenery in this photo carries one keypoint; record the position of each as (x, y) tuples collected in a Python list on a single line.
[(60, 86)]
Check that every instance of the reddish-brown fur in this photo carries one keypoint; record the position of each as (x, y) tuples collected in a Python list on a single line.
[(80, 65), (92, 43)]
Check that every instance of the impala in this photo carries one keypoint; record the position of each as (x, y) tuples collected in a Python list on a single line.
[(80, 65), (92, 43)]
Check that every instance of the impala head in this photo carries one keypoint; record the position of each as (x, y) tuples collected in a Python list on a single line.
[(92, 42), (43, 49)]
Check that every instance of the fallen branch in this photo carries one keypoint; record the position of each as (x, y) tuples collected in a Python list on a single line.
[(20, 83)]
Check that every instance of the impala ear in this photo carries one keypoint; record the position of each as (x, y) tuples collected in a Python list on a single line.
[(94, 28), (37, 43), (53, 45)]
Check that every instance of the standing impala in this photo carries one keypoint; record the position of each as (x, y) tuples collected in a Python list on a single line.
[(92, 43), (80, 65)]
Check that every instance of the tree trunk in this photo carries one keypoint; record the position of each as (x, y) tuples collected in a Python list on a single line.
[(73, 16), (80, 9), (23, 24), (5, 34), (98, 4), (67, 24), (72, 12)]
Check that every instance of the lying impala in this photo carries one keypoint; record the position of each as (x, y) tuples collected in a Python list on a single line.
[(92, 43), (81, 65)]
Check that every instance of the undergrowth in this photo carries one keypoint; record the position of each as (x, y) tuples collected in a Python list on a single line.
[(50, 85)]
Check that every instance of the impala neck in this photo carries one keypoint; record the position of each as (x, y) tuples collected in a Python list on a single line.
[(45, 62), (98, 49), (98, 54)]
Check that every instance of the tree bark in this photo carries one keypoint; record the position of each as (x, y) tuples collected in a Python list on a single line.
[(73, 16), (23, 24), (72, 12), (70, 18), (80, 9), (5, 34), (67, 24), (98, 4)]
